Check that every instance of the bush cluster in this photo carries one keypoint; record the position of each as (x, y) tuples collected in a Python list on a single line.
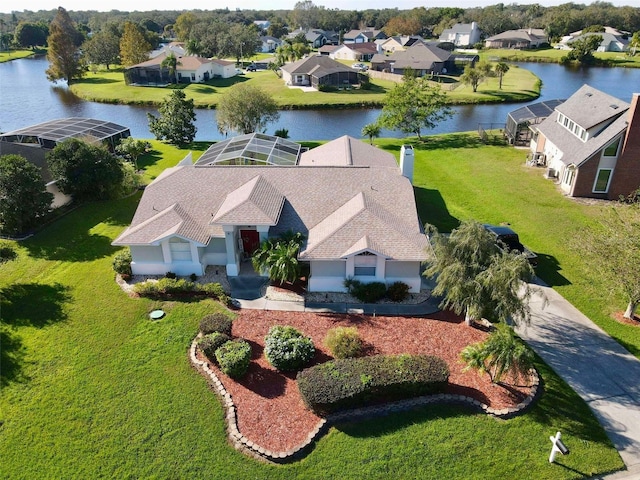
[(287, 349), (216, 322), (343, 342), (171, 286), (354, 382), (234, 358), (374, 291), (211, 342), (122, 263), (7, 252)]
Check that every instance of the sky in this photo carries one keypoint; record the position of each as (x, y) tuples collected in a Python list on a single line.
[(147, 5)]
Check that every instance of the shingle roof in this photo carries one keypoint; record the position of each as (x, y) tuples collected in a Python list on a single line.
[(256, 202), (317, 65), (589, 107), (345, 151), (419, 57), (334, 206)]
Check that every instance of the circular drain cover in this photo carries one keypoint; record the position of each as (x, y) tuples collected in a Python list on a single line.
[(156, 314)]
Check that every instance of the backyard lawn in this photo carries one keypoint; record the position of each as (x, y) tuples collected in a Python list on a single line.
[(553, 55), (518, 85), (14, 55), (92, 388)]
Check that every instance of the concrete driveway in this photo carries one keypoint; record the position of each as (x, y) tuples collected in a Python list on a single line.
[(597, 367)]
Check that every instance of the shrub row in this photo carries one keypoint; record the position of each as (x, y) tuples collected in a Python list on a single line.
[(374, 291), (173, 286), (354, 382)]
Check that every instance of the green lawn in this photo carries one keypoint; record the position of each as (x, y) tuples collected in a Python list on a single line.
[(14, 55), (553, 55), (109, 87), (92, 388)]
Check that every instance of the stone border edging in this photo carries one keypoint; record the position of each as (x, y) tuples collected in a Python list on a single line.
[(243, 444)]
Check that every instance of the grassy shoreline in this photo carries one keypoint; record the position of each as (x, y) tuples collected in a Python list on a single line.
[(552, 55), (16, 55), (519, 85)]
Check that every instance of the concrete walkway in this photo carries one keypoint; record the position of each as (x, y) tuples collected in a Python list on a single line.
[(597, 367)]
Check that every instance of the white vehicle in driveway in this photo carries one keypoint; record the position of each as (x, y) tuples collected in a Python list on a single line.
[(360, 66)]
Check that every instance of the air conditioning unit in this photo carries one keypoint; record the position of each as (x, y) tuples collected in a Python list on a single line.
[(551, 173)]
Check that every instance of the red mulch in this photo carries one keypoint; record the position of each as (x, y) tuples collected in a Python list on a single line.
[(635, 321), (270, 411)]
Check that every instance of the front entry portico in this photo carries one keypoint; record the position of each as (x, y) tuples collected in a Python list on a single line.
[(241, 242)]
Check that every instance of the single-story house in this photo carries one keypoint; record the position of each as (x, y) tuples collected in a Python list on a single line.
[(328, 49), (461, 34), (315, 37), (355, 51), (398, 43), (363, 36), (269, 44), (318, 70), (518, 39), (189, 69), (177, 48), (422, 59), (591, 145), (350, 200), (34, 142), (613, 40)]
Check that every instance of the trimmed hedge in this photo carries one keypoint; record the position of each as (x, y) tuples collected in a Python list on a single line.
[(287, 349), (343, 342), (365, 292), (211, 342), (234, 358), (216, 322), (355, 382), (173, 286)]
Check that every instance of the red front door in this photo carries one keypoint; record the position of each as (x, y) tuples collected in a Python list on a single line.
[(250, 241)]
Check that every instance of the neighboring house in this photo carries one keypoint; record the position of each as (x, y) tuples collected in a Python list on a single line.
[(315, 38), (262, 24), (591, 144), (349, 199), (363, 36), (269, 44), (398, 43), (421, 58), (518, 39), (263, 63), (328, 49), (34, 142), (177, 48), (189, 69), (319, 70), (461, 34), (355, 51), (613, 40)]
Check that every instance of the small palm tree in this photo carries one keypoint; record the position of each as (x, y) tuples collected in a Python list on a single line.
[(171, 63), (371, 130), (501, 68), (501, 354), (279, 258)]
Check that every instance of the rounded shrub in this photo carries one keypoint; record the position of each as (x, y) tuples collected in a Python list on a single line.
[(234, 358), (287, 349), (343, 342), (211, 342), (398, 291), (122, 263), (216, 322)]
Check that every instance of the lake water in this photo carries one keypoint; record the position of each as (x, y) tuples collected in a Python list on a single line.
[(27, 98)]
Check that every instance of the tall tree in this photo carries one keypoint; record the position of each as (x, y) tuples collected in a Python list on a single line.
[(305, 15), (615, 249), (30, 35), (24, 198), (413, 105), (103, 48), (85, 171), (472, 76), (634, 43), (63, 54), (175, 123), (246, 109), (170, 62), (134, 48), (582, 49), (501, 68), (478, 279), (132, 148)]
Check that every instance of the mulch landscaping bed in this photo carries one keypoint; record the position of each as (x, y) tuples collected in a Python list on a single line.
[(270, 411)]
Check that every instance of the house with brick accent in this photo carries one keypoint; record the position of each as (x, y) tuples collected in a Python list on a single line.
[(591, 145), (350, 200)]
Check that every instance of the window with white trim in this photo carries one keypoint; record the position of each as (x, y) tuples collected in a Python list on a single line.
[(364, 264), (601, 185), (612, 149), (569, 175), (180, 250)]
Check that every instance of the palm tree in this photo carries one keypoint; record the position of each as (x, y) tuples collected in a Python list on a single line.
[(501, 68), (171, 63), (193, 47), (371, 130), (279, 258)]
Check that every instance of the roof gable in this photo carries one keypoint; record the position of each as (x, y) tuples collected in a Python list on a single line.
[(589, 107), (256, 202)]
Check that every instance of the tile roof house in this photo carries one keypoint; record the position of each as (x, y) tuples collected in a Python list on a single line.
[(422, 59), (189, 69), (518, 39), (591, 144), (461, 34), (351, 201), (318, 70)]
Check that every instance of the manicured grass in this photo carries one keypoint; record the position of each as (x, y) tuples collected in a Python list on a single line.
[(92, 388), (109, 87), (457, 178), (14, 55), (553, 55)]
